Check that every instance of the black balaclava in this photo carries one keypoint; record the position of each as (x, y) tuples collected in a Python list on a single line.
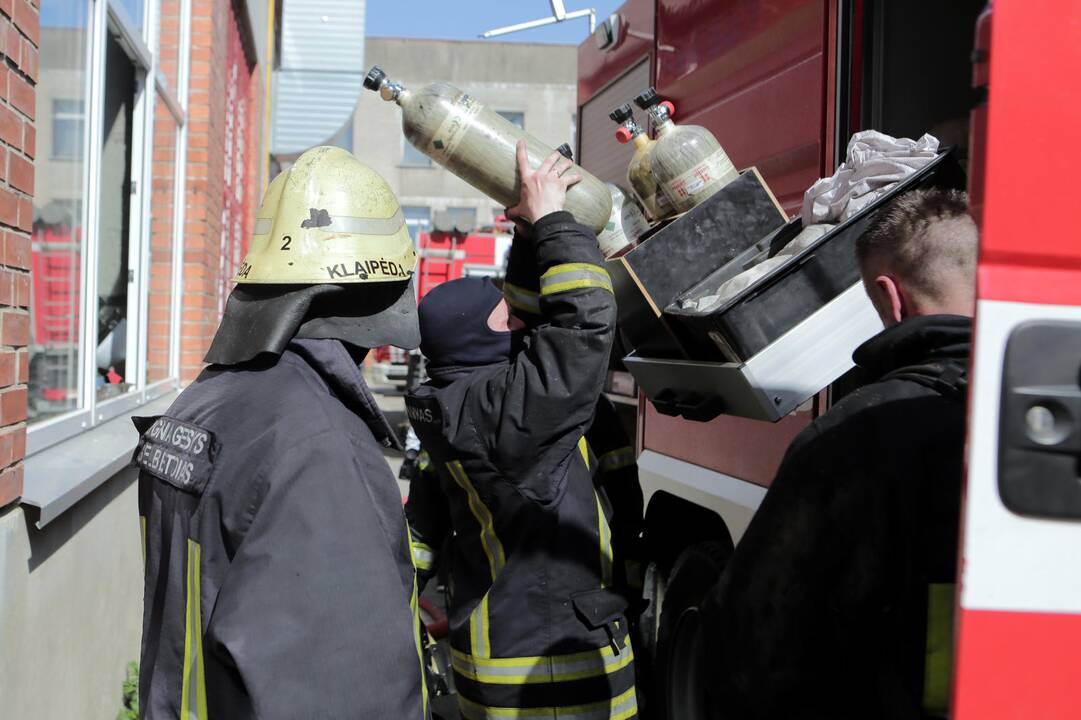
[(454, 332)]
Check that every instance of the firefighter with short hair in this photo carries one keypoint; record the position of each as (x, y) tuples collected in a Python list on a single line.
[(537, 627), (838, 600), (278, 579)]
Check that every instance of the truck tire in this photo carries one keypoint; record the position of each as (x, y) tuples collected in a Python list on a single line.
[(695, 571), (687, 672)]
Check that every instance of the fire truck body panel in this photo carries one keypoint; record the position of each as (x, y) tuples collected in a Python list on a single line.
[(1020, 624)]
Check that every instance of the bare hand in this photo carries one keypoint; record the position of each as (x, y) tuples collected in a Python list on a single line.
[(544, 191)]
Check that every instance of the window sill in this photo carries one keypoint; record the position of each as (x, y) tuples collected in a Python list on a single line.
[(63, 474)]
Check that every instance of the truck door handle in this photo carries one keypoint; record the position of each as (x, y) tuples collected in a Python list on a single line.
[(1039, 468)]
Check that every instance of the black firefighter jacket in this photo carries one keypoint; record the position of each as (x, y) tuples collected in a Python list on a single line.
[(279, 582), (837, 602), (617, 465), (534, 620)]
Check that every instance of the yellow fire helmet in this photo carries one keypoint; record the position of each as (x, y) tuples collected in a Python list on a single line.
[(329, 219), (331, 258)]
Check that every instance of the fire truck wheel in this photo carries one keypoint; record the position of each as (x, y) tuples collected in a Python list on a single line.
[(695, 571), (687, 674)]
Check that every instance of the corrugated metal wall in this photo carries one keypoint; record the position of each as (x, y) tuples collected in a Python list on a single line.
[(320, 74)]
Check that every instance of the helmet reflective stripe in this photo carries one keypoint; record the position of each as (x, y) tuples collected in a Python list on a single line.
[(366, 226)]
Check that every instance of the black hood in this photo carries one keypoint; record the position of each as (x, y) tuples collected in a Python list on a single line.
[(454, 327), (916, 341), (264, 318)]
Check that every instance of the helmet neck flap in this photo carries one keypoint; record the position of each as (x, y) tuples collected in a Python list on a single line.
[(264, 318)]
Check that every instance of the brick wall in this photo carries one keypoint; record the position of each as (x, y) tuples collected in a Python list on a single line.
[(19, 41), (213, 26)]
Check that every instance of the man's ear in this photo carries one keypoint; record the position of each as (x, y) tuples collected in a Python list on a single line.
[(894, 308)]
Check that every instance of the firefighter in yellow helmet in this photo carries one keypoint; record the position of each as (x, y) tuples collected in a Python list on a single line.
[(279, 582)]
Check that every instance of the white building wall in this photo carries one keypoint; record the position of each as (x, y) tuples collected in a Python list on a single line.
[(71, 604)]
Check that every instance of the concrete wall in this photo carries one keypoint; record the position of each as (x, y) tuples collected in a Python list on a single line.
[(71, 599), (536, 80)]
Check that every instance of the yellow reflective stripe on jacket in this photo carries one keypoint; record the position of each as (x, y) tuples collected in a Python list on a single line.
[(423, 555), (572, 276), (488, 539), (583, 448), (617, 459), (521, 299), (605, 534), (479, 633), (193, 688), (621, 707), (414, 608), (938, 661), (542, 669)]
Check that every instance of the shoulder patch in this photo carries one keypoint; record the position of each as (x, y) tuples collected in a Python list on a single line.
[(177, 452)]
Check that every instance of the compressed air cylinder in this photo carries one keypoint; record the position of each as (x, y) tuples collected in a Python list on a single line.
[(640, 172), (626, 224), (688, 163), (478, 145)]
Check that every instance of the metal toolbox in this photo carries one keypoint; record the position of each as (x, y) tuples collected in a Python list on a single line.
[(675, 256), (783, 338), (750, 321)]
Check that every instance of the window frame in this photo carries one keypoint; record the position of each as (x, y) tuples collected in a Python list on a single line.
[(402, 159), (504, 113), (105, 18)]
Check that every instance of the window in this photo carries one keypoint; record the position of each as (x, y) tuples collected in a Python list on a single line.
[(104, 303), (111, 350), (411, 157), (57, 245), (418, 219), (515, 118), (68, 117), (456, 219)]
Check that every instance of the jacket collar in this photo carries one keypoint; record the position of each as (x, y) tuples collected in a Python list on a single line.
[(917, 341), (340, 370)]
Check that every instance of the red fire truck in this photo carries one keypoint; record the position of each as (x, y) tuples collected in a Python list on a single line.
[(783, 85)]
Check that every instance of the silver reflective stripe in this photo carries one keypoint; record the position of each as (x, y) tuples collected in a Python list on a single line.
[(574, 276), (263, 226), (365, 226), (521, 299), (542, 669), (423, 557), (622, 707), (616, 459)]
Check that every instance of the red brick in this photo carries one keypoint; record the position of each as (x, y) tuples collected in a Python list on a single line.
[(12, 405), (9, 370), (16, 252), (11, 485), (6, 7), (31, 61), (26, 214), (7, 295), (22, 290), (9, 207), (30, 139), (14, 330), (21, 95), (26, 18), (7, 448), (20, 173), (24, 366), (18, 450), (11, 127), (13, 43)]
